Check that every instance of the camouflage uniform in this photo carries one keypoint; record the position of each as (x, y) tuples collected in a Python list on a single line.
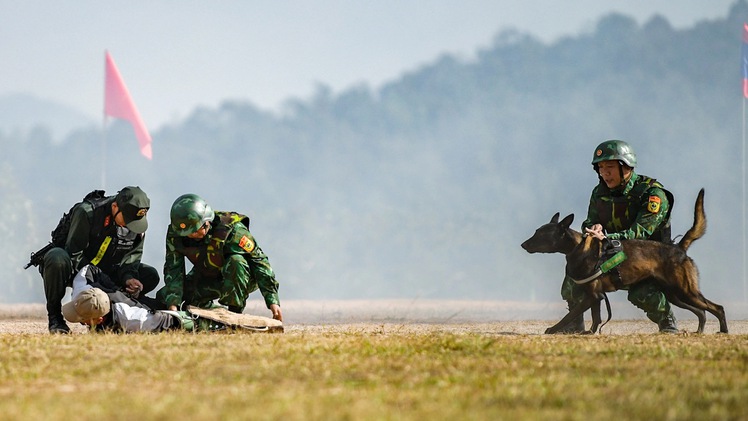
[(637, 211), (227, 265)]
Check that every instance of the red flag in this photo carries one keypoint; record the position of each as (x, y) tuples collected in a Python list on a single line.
[(744, 53), (119, 104)]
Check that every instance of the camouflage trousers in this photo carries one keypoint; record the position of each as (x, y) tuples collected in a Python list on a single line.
[(231, 288), (644, 295)]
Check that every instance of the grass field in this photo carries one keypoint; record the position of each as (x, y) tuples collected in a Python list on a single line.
[(370, 371)]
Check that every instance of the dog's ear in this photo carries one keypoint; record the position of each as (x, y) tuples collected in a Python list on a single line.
[(566, 222), (554, 219)]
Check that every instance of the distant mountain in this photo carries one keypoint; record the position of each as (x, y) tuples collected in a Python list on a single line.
[(29, 116)]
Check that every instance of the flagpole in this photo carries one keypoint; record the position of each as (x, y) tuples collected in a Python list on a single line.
[(103, 126), (744, 68), (745, 288), (103, 154)]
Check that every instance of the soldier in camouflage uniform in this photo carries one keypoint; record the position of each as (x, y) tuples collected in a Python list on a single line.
[(227, 262), (626, 205)]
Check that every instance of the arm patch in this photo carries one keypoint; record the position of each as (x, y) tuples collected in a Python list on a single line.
[(247, 244), (654, 204)]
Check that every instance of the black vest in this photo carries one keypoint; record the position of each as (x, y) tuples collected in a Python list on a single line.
[(103, 227)]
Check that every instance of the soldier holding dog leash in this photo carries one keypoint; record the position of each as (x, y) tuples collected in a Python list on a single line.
[(626, 205)]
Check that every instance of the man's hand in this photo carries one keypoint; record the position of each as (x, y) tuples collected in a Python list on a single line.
[(277, 313), (133, 286), (596, 231)]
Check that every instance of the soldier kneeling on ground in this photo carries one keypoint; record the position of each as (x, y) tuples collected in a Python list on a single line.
[(227, 262)]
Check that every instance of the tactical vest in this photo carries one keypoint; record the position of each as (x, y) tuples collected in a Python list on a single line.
[(207, 257), (105, 248), (624, 208), (61, 231)]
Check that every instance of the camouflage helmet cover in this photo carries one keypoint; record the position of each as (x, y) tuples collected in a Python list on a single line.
[(188, 214), (614, 150)]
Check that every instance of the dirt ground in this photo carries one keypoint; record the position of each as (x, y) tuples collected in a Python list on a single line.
[(420, 317)]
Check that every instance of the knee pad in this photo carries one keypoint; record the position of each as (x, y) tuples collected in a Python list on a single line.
[(148, 276), (57, 257), (570, 291), (648, 298)]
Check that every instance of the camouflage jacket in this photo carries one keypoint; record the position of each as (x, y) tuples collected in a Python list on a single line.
[(639, 210), (229, 235), (94, 238)]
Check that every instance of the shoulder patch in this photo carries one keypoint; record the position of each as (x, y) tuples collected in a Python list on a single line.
[(654, 204), (247, 244)]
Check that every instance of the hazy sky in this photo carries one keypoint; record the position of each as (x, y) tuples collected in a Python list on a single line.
[(177, 54)]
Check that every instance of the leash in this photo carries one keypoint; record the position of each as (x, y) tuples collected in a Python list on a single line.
[(610, 313)]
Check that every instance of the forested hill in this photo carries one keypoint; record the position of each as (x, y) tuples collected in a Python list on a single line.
[(425, 187)]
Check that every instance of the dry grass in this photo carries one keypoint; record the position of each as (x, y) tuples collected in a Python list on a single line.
[(372, 371)]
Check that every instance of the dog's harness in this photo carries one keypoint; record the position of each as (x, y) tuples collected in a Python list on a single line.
[(611, 256)]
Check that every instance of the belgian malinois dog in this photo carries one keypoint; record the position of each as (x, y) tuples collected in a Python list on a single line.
[(665, 264)]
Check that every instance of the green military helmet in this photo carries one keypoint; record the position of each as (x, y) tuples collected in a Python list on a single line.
[(614, 150), (188, 214)]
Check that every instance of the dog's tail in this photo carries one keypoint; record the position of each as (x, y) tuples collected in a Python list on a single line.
[(699, 223)]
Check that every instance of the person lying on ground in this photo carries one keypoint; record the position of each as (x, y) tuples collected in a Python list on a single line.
[(96, 302)]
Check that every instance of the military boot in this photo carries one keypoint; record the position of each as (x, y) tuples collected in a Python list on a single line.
[(57, 324), (236, 309), (190, 323), (668, 324), (574, 326), (206, 325)]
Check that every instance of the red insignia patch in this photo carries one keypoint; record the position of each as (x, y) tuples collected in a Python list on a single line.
[(246, 244)]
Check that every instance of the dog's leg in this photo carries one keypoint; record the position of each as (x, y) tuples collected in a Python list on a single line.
[(718, 311), (580, 308), (720, 315), (689, 293), (700, 314), (596, 319)]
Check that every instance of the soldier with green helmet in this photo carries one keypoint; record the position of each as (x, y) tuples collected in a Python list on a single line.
[(626, 205), (227, 262)]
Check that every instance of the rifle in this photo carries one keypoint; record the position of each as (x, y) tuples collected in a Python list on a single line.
[(37, 258)]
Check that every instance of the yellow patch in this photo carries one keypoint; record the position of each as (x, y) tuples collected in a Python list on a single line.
[(141, 212), (654, 204), (247, 244)]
